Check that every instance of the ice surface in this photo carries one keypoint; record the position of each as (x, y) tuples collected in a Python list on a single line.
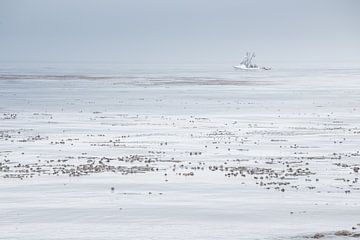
[(167, 152)]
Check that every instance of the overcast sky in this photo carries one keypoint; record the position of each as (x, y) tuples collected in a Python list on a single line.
[(179, 31)]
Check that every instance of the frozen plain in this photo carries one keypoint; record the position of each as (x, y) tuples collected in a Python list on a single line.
[(179, 153)]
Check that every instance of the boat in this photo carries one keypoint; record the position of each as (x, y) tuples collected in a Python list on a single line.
[(246, 63)]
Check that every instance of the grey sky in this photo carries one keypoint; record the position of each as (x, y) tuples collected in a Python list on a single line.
[(179, 31)]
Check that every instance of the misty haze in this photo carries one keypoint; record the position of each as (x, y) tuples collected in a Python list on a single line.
[(179, 119)]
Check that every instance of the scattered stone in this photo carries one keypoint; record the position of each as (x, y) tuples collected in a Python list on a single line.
[(318, 235), (343, 233)]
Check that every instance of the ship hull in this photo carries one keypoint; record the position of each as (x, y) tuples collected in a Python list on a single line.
[(241, 67)]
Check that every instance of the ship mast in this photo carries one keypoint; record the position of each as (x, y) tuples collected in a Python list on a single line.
[(251, 58), (248, 58)]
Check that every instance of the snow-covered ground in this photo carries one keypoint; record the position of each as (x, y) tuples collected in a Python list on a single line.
[(179, 153)]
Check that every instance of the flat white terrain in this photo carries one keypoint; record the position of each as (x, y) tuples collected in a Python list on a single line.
[(179, 153)]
